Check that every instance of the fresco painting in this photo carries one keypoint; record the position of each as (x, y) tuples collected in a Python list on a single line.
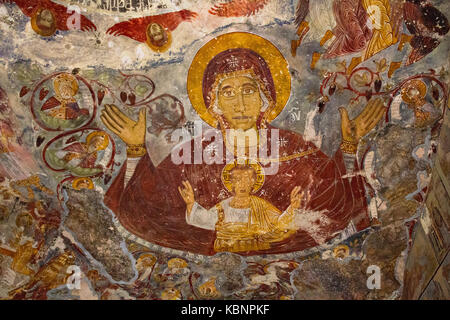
[(244, 149)]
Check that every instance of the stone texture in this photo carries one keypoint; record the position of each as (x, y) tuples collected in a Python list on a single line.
[(330, 279), (92, 226)]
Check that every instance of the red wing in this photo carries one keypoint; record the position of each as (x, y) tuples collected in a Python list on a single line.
[(396, 16), (26, 6), (62, 15), (413, 16), (238, 8), (171, 20), (136, 28)]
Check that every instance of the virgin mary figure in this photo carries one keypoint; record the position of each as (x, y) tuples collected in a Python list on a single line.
[(239, 81)]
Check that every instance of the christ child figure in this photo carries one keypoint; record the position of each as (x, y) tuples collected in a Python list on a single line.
[(243, 222)]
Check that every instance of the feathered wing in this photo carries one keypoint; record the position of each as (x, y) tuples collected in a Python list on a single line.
[(301, 11), (396, 17), (238, 8), (413, 16), (426, 24), (61, 14), (136, 28), (171, 20)]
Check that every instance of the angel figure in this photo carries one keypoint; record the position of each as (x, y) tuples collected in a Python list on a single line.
[(84, 154), (47, 16), (155, 31)]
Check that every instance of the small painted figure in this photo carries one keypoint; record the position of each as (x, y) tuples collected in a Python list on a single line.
[(63, 104), (84, 154), (243, 222)]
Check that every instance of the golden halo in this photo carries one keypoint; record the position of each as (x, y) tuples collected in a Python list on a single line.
[(226, 173), (165, 46), (77, 181), (419, 85), (277, 64), (98, 133), (35, 27)]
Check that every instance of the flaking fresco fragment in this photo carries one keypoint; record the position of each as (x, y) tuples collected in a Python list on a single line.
[(251, 149)]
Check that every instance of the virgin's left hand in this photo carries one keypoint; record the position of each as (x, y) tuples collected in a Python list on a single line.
[(353, 130)]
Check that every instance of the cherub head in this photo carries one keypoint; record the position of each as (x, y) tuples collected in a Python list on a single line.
[(44, 22), (157, 34), (171, 294), (176, 265)]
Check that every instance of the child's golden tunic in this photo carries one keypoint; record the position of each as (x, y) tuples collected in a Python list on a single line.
[(246, 229)]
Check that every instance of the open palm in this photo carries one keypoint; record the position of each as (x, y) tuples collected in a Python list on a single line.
[(353, 130), (130, 131)]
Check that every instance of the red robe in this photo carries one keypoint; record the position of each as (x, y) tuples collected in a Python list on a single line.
[(72, 110), (151, 207), (351, 31)]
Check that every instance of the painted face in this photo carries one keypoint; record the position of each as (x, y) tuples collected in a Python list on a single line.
[(96, 143), (242, 182), (240, 101), (65, 89), (157, 34), (171, 294), (46, 19), (414, 94)]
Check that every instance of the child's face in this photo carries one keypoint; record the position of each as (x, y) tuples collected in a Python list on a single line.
[(242, 182)]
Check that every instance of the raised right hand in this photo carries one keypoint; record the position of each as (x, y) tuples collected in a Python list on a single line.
[(131, 132)]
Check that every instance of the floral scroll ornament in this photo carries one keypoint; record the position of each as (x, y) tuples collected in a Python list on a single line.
[(366, 83), (85, 154)]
